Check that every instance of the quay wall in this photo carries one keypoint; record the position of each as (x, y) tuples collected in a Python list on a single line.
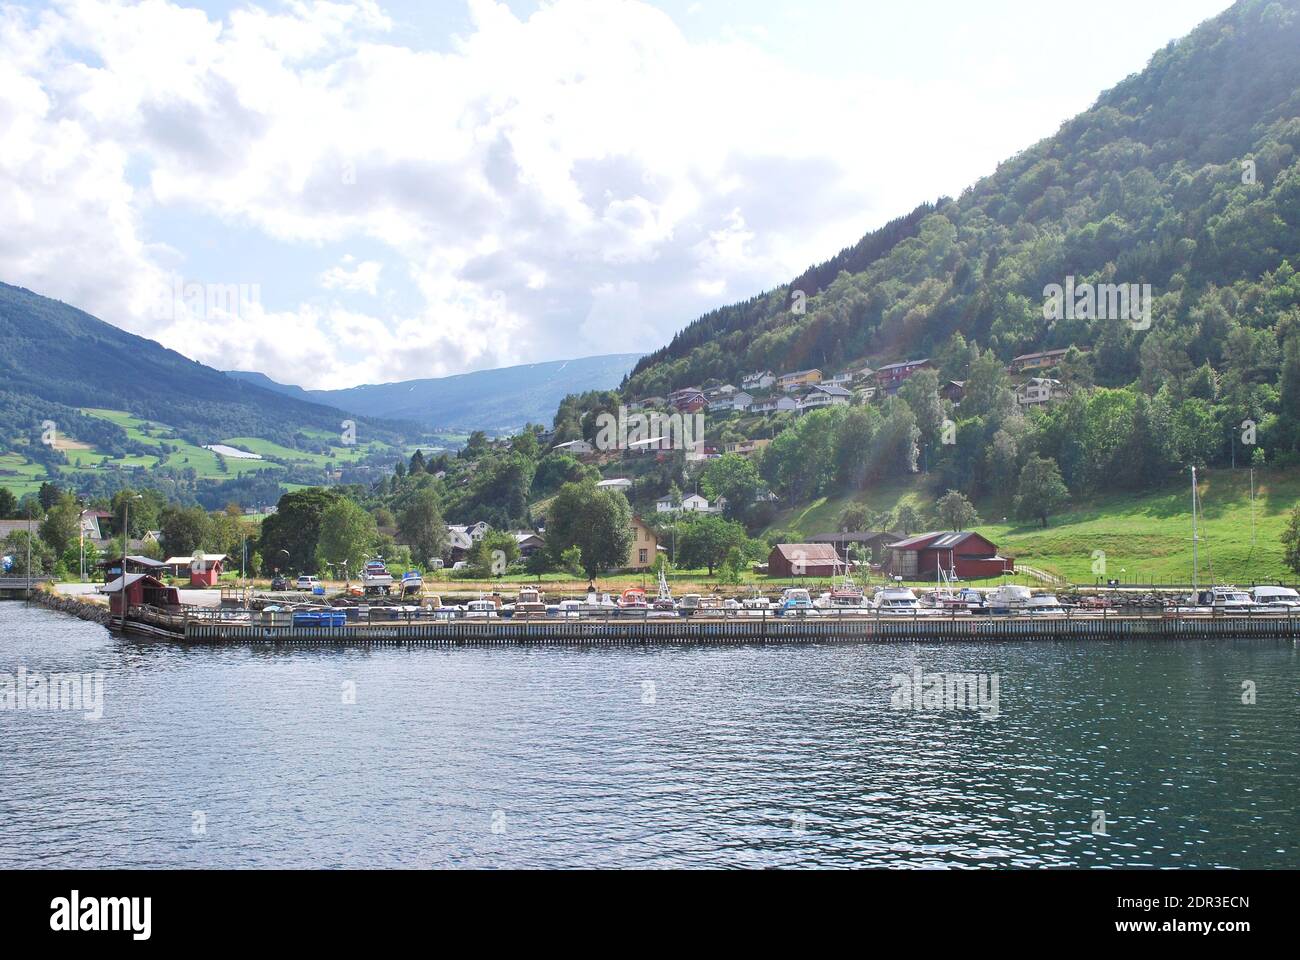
[(754, 630)]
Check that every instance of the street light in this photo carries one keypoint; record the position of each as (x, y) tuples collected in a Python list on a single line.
[(126, 540)]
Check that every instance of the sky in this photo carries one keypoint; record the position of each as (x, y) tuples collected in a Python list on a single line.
[(337, 193)]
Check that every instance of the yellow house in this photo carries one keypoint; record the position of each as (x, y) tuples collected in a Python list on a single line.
[(800, 378), (644, 545)]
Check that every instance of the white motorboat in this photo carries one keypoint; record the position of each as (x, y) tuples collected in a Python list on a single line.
[(896, 601), (1277, 599)]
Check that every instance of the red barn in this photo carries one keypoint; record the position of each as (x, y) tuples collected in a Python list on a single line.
[(140, 590), (206, 568), (969, 555), (803, 560)]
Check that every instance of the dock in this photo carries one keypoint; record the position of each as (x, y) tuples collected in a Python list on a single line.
[(213, 627)]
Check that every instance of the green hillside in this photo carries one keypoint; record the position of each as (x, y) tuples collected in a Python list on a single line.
[(1145, 537)]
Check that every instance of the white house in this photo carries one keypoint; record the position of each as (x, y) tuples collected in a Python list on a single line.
[(615, 483), (579, 448), (698, 504), (761, 380), (775, 405), (838, 380), (665, 505), (741, 400), (824, 396), (1038, 390)]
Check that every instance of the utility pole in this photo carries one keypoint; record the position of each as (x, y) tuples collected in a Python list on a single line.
[(1195, 577)]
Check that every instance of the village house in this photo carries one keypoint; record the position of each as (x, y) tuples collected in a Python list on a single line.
[(803, 560), (746, 448), (965, 555), (762, 380), (577, 448), (798, 379), (688, 400), (1041, 360), (953, 391), (204, 569), (838, 380), (891, 376), (864, 373), (1038, 390), (93, 526), (824, 396), (741, 401), (529, 542), (645, 546), (648, 403), (615, 483), (692, 504), (135, 563), (866, 392), (139, 590), (775, 405)]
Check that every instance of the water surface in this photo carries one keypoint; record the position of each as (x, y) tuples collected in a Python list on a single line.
[(648, 757)]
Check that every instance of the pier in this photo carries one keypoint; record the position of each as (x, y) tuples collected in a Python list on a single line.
[(214, 627)]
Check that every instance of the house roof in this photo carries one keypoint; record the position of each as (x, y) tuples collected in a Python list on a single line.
[(901, 364), (833, 390), (940, 540), (800, 373), (1060, 351), (117, 585), (808, 553)]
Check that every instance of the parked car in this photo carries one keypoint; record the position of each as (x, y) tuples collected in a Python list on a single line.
[(307, 583), (279, 583)]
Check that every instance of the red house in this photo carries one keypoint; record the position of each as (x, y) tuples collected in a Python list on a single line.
[(966, 555), (803, 560), (139, 590), (891, 375), (206, 568)]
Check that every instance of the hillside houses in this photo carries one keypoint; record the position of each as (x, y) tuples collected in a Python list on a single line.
[(1041, 360), (761, 380)]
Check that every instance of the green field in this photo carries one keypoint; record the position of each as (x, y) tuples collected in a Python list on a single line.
[(1145, 538), (20, 475)]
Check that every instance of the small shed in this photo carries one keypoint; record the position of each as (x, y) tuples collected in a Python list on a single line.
[(139, 590), (803, 560)]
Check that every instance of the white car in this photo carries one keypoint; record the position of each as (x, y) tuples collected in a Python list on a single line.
[(307, 583)]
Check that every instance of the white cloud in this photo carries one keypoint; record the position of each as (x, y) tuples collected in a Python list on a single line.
[(354, 275), (585, 180)]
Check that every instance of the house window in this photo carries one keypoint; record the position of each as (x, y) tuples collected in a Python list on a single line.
[(643, 556)]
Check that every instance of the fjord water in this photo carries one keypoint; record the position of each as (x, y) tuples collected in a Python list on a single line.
[(653, 757)]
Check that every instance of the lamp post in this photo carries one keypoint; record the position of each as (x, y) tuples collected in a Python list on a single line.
[(126, 540)]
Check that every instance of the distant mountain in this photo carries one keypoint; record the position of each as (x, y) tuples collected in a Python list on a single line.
[(55, 358), (497, 401)]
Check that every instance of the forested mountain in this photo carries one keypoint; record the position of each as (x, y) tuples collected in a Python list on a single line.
[(1183, 176), (55, 358), (497, 401)]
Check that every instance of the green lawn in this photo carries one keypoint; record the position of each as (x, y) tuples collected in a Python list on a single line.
[(19, 475)]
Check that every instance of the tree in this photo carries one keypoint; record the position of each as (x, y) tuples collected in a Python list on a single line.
[(421, 525), (48, 495), (62, 524), (8, 504), (295, 528), (347, 536), (733, 478), (854, 517), (492, 555), (15, 546), (906, 518), (597, 520), (1041, 491), (706, 539), (184, 530), (955, 511)]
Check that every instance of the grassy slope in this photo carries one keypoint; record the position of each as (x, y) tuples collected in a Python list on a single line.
[(1145, 537)]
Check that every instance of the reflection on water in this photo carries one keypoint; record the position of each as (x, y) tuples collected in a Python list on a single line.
[(698, 756)]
